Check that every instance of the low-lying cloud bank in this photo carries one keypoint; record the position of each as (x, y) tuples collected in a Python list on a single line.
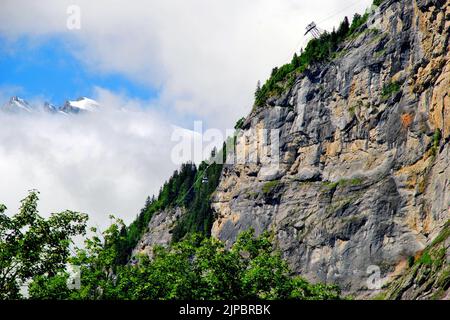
[(100, 163)]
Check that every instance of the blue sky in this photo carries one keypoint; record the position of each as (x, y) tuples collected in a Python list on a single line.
[(50, 70)]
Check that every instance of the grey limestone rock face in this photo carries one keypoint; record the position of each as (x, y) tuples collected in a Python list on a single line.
[(361, 179), (159, 231)]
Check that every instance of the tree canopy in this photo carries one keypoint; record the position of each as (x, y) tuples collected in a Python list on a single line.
[(32, 246), (196, 268)]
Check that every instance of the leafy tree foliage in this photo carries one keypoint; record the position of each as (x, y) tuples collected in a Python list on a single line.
[(357, 22), (196, 268), (98, 270), (31, 246), (44, 287)]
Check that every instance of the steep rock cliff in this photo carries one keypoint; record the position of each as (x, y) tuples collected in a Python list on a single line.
[(354, 168), (160, 231)]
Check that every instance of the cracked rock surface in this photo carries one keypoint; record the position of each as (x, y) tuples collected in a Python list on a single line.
[(346, 175)]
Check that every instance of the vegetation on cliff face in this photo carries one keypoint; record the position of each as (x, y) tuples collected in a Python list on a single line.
[(185, 187), (35, 251), (190, 187), (199, 217), (195, 268), (389, 89), (377, 2), (176, 191), (324, 48), (317, 50), (427, 275)]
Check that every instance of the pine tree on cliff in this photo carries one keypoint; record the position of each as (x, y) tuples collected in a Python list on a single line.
[(343, 28)]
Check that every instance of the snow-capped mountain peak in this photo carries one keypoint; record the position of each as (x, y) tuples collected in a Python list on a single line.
[(80, 105), (50, 108), (85, 104), (16, 104)]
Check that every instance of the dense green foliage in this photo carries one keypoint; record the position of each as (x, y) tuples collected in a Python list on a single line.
[(377, 2), (31, 246), (239, 123), (98, 269), (191, 188), (186, 187), (389, 89), (358, 21), (195, 268), (199, 216), (317, 50), (269, 186), (176, 191)]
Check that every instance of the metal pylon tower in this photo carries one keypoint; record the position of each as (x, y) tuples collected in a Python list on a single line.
[(312, 28)]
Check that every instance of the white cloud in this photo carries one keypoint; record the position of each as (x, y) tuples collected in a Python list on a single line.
[(205, 57), (99, 163)]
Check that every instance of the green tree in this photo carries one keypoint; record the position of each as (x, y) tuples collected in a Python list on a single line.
[(32, 246), (343, 28), (44, 287), (357, 21), (202, 268), (199, 215), (196, 268), (377, 2), (258, 88), (97, 262), (240, 123)]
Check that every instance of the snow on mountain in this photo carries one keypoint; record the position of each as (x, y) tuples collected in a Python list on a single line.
[(16, 104), (80, 105), (50, 108)]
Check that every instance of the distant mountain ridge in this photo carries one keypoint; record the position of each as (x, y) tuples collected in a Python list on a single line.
[(16, 104), (80, 105)]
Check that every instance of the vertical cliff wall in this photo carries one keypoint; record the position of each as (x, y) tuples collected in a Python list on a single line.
[(363, 177)]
